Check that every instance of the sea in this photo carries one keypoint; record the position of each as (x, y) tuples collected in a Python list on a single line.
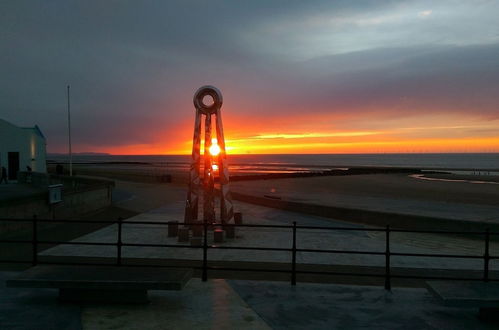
[(463, 163)]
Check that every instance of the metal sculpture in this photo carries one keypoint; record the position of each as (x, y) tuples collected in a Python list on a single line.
[(215, 162)]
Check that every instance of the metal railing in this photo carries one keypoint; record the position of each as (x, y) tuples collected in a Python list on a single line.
[(293, 249)]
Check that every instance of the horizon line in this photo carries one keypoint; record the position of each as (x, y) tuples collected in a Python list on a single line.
[(266, 154)]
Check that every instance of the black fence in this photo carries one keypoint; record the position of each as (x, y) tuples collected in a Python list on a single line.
[(293, 249)]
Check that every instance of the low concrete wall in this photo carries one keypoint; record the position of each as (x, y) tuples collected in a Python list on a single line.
[(369, 275), (85, 199), (334, 172), (36, 179), (374, 218), (70, 183), (135, 175)]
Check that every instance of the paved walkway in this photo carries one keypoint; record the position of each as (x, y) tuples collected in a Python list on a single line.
[(14, 190), (220, 304), (331, 306), (28, 309), (210, 305)]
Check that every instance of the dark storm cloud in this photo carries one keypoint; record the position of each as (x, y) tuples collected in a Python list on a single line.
[(398, 81), (133, 66)]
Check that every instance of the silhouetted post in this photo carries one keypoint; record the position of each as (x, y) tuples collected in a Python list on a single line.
[(238, 218), (120, 242), (486, 256), (172, 228), (293, 263), (69, 138), (35, 241), (205, 251), (388, 284)]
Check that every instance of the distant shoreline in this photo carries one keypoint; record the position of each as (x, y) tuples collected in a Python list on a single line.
[(332, 167), (481, 162), (304, 154)]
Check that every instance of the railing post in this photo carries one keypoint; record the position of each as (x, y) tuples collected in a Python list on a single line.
[(120, 242), (388, 284), (293, 262), (34, 260), (205, 251), (486, 256)]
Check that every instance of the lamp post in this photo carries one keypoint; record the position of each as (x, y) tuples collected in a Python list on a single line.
[(69, 137)]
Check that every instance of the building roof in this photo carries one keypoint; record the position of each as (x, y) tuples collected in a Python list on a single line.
[(35, 129)]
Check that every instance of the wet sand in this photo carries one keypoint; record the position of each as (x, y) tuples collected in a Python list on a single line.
[(475, 179)]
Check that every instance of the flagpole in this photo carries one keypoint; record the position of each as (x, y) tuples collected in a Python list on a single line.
[(69, 138)]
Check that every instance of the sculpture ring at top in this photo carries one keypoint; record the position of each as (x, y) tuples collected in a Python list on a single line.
[(214, 93)]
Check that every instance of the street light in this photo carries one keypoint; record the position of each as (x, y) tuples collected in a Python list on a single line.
[(69, 138)]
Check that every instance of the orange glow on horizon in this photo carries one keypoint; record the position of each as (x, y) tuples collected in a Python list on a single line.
[(428, 145), (329, 134)]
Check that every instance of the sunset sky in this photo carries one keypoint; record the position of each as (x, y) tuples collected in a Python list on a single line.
[(297, 76)]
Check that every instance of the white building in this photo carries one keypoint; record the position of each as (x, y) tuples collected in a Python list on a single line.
[(21, 147)]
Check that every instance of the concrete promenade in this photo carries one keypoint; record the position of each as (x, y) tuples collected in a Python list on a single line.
[(246, 304), (13, 191), (210, 305)]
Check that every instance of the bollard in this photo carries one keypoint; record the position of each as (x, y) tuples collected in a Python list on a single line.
[(197, 241), (187, 215), (172, 228), (218, 235), (197, 231), (183, 235), (230, 231), (238, 218)]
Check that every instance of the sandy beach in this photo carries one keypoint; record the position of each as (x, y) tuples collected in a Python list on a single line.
[(397, 186)]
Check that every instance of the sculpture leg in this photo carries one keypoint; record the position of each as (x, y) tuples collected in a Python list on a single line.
[(226, 206), (208, 174), (191, 208)]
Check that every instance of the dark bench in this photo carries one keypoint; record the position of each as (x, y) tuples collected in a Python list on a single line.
[(482, 295), (102, 283)]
